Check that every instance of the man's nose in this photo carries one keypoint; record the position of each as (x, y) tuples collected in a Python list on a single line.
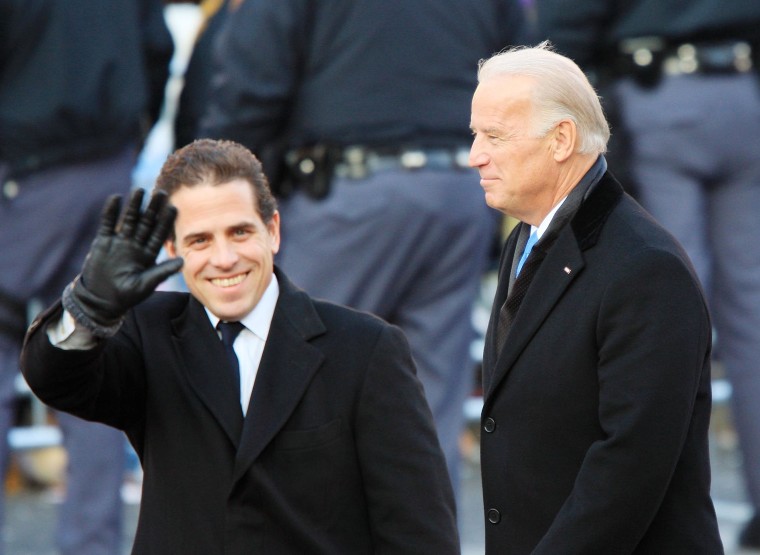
[(477, 157), (224, 254)]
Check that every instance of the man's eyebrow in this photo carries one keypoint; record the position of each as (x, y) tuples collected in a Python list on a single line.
[(243, 223), (489, 130), (194, 235)]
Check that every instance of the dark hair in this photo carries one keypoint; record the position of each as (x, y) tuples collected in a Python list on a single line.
[(213, 162)]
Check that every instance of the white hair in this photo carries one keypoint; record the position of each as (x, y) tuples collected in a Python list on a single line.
[(562, 92)]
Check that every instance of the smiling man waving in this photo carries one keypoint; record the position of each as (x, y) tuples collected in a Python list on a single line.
[(302, 431)]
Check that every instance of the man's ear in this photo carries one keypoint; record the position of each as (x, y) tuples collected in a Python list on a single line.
[(170, 248), (274, 231), (565, 138)]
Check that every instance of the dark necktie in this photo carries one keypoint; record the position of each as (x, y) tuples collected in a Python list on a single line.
[(230, 331), (510, 307)]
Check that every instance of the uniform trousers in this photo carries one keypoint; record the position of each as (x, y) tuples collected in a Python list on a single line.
[(411, 247), (697, 164), (47, 222)]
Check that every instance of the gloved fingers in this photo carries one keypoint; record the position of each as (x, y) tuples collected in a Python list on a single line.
[(109, 216), (147, 221), (155, 275), (164, 225), (131, 214)]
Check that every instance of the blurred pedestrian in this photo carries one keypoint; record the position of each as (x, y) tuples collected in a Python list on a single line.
[(80, 83), (359, 110), (597, 360), (685, 76), (266, 421)]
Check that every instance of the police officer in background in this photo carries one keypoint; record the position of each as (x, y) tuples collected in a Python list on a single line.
[(685, 78), (81, 82), (367, 102)]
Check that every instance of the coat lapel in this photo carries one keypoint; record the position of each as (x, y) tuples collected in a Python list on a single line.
[(203, 359), (287, 366), (502, 289), (560, 267), (563, 263)]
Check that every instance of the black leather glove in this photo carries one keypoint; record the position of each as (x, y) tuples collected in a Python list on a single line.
[(120, 270)]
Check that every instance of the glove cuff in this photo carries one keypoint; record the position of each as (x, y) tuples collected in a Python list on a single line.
[(77, 300)]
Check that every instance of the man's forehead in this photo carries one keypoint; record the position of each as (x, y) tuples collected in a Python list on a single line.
[(224, 203), (497, 99)]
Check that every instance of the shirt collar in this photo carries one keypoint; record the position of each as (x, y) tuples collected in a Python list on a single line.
[(593, 175), (259, 319)]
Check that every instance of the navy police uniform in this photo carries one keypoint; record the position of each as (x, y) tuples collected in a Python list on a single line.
[(79, 82), (369, 103)]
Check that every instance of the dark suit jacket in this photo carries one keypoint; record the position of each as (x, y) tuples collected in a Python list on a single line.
[(337, 454), (596, 411)]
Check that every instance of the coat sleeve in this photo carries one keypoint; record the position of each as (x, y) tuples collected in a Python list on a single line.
[(654, 338), (407, 487), (103, 384)]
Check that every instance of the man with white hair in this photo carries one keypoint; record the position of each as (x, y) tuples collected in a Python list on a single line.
[(685, 80), (596, 367)]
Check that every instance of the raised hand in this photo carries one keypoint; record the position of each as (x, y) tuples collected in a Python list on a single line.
[(120, 270)]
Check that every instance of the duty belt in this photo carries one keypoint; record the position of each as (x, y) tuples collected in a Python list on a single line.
[(649, 58), (311, 169), (358, 162)]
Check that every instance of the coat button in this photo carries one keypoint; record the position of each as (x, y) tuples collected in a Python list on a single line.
[(489, 424), (494, 516)]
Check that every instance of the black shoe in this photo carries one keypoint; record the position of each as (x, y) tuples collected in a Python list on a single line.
[(750, 535)]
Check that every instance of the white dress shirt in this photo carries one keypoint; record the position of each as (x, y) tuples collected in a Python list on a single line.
[(249, 344), (547, 220)]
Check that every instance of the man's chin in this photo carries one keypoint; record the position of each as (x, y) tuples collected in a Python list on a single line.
[(228, 311), (491, 201)]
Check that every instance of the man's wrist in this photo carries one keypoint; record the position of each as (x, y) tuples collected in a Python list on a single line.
[(75, 301), (66, 334)]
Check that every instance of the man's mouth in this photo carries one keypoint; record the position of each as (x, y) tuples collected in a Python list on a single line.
[(228, 281)]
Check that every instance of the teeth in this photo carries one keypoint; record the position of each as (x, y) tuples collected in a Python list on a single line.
[(228, 282)]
